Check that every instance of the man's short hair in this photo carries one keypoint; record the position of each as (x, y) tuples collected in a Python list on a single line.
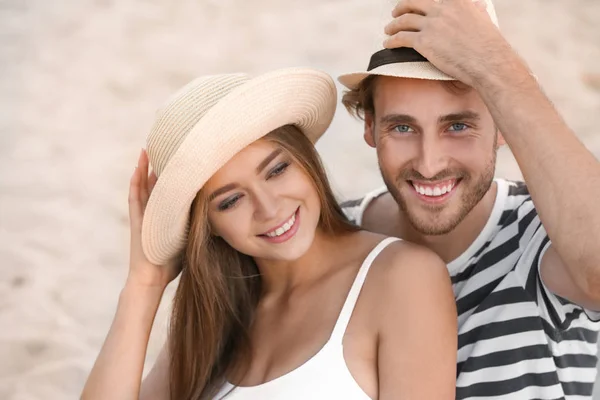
[(359, 101)]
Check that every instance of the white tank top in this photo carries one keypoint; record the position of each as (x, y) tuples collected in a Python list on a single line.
[(323, 376)]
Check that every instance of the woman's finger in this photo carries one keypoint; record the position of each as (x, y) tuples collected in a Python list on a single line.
[(143, 167), (151, 182), (406, 22), (135, 207)]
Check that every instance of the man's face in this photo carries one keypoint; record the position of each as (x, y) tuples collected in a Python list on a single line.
[(436, 147)]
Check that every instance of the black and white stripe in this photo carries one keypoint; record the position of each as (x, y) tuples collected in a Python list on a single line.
[(517, 340)]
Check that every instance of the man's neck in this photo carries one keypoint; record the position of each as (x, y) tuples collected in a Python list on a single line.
[(449, 246)]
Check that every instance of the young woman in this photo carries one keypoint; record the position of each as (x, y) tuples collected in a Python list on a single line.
[(279, 296)]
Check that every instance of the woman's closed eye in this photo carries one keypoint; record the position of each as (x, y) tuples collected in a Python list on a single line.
[(229, 202), (278, 169), (233, 200)]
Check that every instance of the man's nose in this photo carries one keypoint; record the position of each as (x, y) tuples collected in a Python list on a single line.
[(432, 159)]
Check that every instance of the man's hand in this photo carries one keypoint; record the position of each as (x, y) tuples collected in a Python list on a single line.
[(563, 177), (457, 36)]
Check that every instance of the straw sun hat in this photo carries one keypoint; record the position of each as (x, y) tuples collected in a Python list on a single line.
[(403, 62), (210, 120)]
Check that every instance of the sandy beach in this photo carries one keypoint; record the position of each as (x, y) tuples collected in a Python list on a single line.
[(79, 84)]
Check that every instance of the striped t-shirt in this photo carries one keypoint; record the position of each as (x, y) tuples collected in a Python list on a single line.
[(516, 339)]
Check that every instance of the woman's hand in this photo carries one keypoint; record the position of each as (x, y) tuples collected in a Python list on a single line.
[(141, 271), (117, 372)]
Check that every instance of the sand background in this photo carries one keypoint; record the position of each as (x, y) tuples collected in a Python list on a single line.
[(79, 84)]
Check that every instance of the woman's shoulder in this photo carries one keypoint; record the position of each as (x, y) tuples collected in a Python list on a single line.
[(398, 261), (406, 282), (402, 267), (399, 256)]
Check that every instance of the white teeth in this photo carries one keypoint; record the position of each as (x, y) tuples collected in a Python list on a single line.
[(435, 192), (284, 228)]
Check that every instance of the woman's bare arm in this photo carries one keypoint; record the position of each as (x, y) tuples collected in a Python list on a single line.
[(117, 373), (156, 385)]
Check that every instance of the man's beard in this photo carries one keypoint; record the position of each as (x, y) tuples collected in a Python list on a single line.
[(472, 191)]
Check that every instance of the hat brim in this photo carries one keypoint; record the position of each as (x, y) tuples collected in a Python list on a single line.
[(411, 70), (303, 97)]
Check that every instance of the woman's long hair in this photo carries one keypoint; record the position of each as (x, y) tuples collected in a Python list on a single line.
[(220, 287)]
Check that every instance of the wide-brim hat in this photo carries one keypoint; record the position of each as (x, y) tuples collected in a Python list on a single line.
[(209, 121), (403, 62)]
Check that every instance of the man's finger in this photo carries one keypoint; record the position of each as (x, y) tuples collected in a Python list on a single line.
[(480, 4), (401, 39), (421, 7), (406, 22)]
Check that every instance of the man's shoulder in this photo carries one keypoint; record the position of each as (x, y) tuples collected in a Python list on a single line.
[(516, 202), (516, 188), (355, 209)]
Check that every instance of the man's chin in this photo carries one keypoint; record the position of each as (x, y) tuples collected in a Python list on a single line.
[(441, 223), (430, 230)]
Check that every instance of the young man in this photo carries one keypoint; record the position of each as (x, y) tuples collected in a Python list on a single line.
[(524, 258)]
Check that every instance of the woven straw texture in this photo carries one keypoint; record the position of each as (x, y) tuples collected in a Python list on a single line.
[(414, 70), (210, 120)]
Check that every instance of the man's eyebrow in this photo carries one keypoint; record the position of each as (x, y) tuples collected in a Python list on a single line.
[(267, 160), (221, 190), (398, 119), (459, 116)]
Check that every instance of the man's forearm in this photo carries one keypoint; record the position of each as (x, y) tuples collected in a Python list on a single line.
[(563, 177)]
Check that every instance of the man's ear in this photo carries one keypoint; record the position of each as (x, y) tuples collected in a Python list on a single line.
[(501, 142), (369, 134)]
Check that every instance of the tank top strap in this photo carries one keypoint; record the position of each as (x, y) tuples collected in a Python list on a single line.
[(344, 318)]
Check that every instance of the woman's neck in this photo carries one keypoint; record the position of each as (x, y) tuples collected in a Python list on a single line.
[(280, 276)]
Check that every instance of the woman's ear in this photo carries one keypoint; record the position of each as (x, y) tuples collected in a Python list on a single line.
[(212, 231)]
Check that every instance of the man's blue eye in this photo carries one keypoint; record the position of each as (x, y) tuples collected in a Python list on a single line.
[(458, 127), (403, 128)]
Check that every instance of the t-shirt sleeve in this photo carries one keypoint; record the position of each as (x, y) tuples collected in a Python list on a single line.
[(561, 312), (352, 209)]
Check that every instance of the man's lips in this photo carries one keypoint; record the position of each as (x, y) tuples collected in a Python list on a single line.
[(434, 192)]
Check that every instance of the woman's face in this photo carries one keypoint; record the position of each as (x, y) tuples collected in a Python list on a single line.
[(263, 204)]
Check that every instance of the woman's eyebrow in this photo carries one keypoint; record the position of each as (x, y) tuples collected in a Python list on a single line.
[(259, 169), (267, 160), (222, 190)]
